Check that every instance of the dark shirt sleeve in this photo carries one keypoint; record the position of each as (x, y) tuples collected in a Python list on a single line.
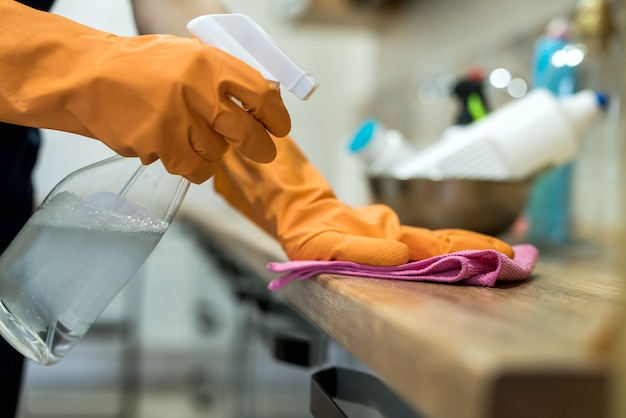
[(18, 154), (44, 5)]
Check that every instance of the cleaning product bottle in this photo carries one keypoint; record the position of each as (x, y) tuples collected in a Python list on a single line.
[(549, 207), (78, 250), (513, 142), (470, 95), (379, 148), (97, 226)]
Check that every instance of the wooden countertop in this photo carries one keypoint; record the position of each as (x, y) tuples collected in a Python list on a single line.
[(532, 349)]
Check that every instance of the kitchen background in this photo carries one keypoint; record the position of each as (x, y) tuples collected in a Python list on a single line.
[(174, 342)]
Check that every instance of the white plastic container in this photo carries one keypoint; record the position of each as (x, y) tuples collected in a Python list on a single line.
[(513, 142), (379, 148)]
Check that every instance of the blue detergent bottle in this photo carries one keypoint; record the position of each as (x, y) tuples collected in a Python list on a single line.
[(555, 69)]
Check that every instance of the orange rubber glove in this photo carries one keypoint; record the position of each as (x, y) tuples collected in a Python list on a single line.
[(290, 200), (156, 96)]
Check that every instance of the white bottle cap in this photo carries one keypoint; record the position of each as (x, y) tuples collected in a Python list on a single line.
[(243, 38)]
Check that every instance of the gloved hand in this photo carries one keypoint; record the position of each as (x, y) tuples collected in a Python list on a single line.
[(155, 96), (290, 200)]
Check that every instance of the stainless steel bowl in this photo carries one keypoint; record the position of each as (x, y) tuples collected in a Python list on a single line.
[(489, 207)]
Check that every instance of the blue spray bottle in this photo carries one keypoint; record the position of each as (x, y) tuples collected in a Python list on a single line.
[(554, 68)]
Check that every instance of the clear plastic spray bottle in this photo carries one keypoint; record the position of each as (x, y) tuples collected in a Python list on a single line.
[(96, 228), (79, 249)]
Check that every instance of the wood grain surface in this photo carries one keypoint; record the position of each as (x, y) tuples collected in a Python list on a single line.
[(536, 348)]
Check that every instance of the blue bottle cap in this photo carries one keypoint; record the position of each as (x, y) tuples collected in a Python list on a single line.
[(363, 135), (603, 99)]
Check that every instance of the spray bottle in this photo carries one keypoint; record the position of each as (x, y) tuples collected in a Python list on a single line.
[(97, 227)]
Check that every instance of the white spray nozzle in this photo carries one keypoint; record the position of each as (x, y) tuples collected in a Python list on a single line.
[(243, 38)]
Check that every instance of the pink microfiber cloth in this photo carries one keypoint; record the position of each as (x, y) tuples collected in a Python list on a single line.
[(473, 267)]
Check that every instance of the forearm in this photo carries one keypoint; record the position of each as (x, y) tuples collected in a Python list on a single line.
[(153, 97), (32, 46), (171, 16)]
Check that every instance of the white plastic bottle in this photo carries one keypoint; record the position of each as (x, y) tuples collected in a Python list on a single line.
[(513, 142), (379, 148)]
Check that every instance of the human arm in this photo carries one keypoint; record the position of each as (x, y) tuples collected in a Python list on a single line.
[(171, 16), (155, 97), (291, 201)]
